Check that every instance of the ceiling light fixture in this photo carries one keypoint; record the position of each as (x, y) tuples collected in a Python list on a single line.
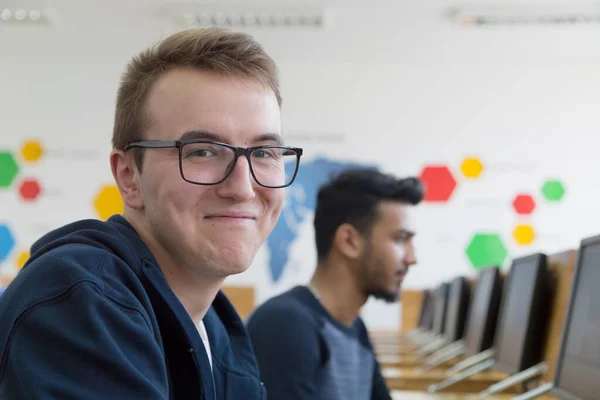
[(305, 16), (23, 16), (526, 14)]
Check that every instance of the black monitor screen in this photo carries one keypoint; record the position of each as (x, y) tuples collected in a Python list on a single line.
[(441, 302), (423, 311), (516, 346), (458, 304), (578, 371), (429, 312), (483, 312)]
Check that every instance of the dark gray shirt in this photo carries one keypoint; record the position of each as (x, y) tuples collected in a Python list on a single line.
[(304, 353)]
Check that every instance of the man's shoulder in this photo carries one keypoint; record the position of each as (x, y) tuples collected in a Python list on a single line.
[(64, 262), (62, 267), (288, 326), (295, 307)]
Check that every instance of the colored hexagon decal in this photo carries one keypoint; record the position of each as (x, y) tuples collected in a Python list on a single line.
[(8, 169), (471, 167), (108, 202), (439, 183), (553, 190), (29, 189), (524, 234), (523, 204), (7, 242), (486, 250), (32, 150), (22, 259)]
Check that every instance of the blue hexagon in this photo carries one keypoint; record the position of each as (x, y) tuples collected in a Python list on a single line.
[(7, 242)]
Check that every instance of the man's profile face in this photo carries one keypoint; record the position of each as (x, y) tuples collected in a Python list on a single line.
[(196, 223), (389, 252)]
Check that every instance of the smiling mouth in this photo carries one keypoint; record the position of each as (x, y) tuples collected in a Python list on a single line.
[(232, 215), (234, 219), (228, 217)]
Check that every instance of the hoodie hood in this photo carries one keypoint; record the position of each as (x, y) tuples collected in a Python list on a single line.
[(105, 235)]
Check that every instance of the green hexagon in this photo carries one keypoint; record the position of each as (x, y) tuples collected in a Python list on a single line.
[(8, 169), (485, 250), (553, 190)]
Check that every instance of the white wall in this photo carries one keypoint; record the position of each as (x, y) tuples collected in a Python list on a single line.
[(402, 86)]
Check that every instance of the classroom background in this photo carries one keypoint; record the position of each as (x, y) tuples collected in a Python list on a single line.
[(494, 106)]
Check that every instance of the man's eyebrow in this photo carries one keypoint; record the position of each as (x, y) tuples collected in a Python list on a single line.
[(201, 135), (405, 232), (269, 137), (205, 135)]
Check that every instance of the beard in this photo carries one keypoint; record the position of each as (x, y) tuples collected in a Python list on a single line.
[(372, 275), (386, 296)]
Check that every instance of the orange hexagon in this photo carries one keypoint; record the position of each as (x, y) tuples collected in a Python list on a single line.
[(32, 150), (524, 234), (22, 259), (108, 202)]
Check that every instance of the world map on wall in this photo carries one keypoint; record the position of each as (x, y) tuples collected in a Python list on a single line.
[(301, 198)]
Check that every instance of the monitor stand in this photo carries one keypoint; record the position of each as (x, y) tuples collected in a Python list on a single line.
[(423, 339), (519, 377), (413, 335), (469, 362), (431, 347), (443, 355), (532, 394), (462, 375)]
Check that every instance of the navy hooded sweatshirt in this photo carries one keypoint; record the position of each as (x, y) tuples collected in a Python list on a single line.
[(91, 316)]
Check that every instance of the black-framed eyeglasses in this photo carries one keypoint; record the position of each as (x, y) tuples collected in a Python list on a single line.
[(206, 162)]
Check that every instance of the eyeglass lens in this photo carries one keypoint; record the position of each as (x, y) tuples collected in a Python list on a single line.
[(208, 163)]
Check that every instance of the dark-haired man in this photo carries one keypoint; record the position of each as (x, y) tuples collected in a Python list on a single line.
[(310, 341)]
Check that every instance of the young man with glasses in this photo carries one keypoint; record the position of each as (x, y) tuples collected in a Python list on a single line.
[(310, 341), (131, 308)]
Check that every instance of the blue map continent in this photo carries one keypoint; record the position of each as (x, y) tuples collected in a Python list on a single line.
[(300, 201)]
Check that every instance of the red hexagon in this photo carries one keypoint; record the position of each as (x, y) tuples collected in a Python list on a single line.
[(29, 189), (523, 204), (439, 183)]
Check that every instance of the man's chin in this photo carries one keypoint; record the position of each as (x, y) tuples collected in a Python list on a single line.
[(388, 297), (237, 269)]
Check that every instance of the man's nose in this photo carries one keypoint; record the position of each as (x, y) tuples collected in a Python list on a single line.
[(239, 185)]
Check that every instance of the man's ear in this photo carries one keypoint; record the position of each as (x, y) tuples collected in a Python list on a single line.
[(127, 178), (349, 241)]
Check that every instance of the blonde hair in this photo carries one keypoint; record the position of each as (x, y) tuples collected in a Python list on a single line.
[(211, 49)]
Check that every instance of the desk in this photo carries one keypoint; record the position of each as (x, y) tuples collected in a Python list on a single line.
[(408, 395), (405, 395), (397, 361), (412, 380), (409, 361), (394, 349)]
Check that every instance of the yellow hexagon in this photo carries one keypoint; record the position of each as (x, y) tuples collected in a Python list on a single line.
[(471, 167), (524, 234), (22, 259), (108, 202), (32, 150)]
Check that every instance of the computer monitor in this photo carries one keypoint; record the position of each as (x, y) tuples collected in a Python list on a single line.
[(423, 311), (429, 313), (523, 315), (577, 374), (458, 306), (441, 305), (483, 311)]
